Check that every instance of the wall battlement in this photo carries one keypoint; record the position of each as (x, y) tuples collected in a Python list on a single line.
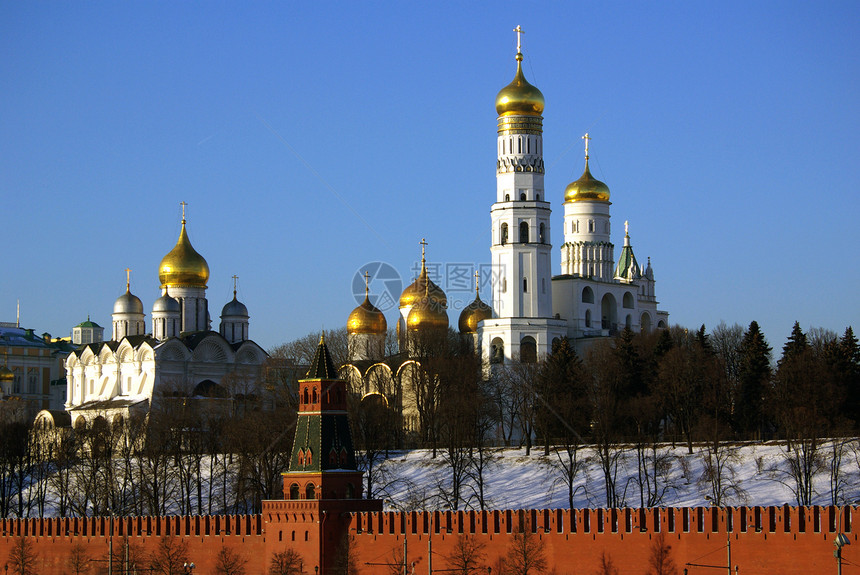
[(763, 539)]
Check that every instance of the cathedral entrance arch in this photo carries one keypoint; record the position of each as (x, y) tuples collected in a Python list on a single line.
[(608, 312), (587, 295)]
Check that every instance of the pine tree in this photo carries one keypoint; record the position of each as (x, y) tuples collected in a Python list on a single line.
[(753, 376), (796, 344), (848, 369)]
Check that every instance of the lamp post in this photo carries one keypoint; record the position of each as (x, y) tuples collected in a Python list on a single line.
[(840, 542)]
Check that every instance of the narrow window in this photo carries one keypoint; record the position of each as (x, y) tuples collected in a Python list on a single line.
[(504, 234), (541, 234), (507, 197), (522, 196), (524, 232), (525, 285)]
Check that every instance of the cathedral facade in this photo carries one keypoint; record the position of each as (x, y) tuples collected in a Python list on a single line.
[(180, 357)]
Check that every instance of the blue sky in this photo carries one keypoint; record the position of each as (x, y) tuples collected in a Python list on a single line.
[(310, 139)]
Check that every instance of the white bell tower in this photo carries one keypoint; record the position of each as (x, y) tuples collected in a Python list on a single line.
[(520, 248)]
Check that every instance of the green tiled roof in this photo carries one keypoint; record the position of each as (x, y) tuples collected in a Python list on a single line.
[(322, 366)]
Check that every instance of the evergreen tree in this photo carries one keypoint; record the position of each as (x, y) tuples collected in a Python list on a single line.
[(848, 369), (704, 340), (630, 363), (797, 343), (754, 375)]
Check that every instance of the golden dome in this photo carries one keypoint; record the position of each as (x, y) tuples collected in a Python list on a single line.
[(472, 314), (519, 98), (366, 318), (427, 314), (6, 375), (587, 187), (183, 266), (423, 286)]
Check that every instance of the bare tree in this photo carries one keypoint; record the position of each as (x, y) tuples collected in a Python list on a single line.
[(301, 351), (660, 561), (606, 566), (23, 557), (229, 562), (287, 562), (170, 556), (78, 562), (467, 556), (526, 554)]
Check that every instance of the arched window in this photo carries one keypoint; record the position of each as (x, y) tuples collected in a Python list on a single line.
[(588, 318), (524, 232), (301, 458), (627, 300), (528, 350), (645, 322), (294, 493), (628, 321), (507, 197), (525, 285), (541, 234), (350, 491), (537, 197), (587, 295), (504, 238), (310, 491), (314, 396), (308, 457), (306, 396), (522, 196), (497, 350)]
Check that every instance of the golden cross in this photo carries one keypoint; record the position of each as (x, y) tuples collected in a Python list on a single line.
[(586, 137), (519, 32), (366, 283), (235, 283), (477, 282), (127, 279), (183, 204), (626, 225), (423, 245)]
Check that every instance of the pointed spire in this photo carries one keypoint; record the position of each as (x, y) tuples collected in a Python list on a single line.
[(321, 366)]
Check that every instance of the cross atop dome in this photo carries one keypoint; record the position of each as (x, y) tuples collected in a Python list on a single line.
[(519, 32)]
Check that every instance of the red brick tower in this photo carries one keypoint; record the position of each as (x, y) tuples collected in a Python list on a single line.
[(323, 487)]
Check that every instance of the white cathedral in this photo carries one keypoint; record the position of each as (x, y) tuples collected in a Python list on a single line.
[(592, 297), (181, 357)]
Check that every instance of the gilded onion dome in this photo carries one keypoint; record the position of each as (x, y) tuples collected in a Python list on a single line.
[(423, 286), (586, 188), (427, 315), (183, 266), (366, 318), (519, 98), (474, 313), (6, 375)]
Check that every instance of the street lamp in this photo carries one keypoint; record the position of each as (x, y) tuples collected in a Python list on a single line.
[(189, 567), (840, 542)]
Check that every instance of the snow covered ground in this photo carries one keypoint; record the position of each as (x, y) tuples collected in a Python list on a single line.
[(759, 472)]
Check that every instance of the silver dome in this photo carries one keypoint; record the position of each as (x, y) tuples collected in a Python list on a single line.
[(166, 304), (234, 308), (128, 303)]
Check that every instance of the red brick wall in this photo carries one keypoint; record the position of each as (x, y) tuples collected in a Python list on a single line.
[(782, 540)]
